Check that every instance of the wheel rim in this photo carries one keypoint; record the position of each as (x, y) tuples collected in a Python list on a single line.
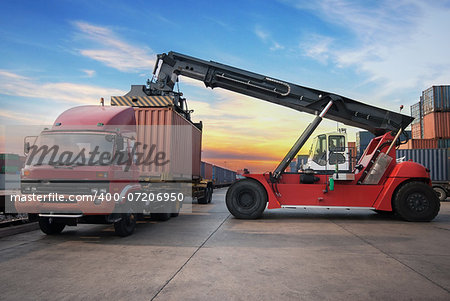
[(417, 202), (246, 199), (440, 193)]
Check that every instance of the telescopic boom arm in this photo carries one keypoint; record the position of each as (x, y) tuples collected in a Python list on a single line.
[(345, 110)]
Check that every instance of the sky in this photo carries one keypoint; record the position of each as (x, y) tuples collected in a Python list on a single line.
[(55, 55)]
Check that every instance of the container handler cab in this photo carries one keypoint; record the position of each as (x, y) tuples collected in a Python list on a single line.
[(377, 181), (329, 153)]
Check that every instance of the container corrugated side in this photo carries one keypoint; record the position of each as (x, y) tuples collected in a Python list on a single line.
[(420, 144), (436, 125), (444, 143), (441, 98), (416, 112), (436, 160), (416, 131), (436, 99), (167, 129), (223, 176), (206, 171)]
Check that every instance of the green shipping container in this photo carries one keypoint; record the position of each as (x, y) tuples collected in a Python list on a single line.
[(9, 169)]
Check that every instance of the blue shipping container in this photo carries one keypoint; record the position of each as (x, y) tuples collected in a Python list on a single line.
[(436, 98), (202, 169), (444, 143), (223, 176), (436, 160)]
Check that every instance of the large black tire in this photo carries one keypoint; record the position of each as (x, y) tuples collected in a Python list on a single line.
[(210, 194), (246, 199), (126, 225), (164, 216), (176, 207), (49, 227), (416, 202), (207, 197), (441, 193)]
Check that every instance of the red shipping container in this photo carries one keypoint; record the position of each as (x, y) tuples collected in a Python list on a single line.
[(420, 144), (436, 125), (416, 131), (172, 134), (208, 171)]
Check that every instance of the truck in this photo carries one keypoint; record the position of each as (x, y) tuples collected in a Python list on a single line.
[(114, 164), (377, 182)]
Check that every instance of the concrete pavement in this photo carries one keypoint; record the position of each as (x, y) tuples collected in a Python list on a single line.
[(209, 255)]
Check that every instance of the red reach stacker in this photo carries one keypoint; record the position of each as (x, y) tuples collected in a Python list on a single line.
[(377, 181)]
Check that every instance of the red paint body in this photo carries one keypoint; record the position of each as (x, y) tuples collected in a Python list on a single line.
[(345, 193)]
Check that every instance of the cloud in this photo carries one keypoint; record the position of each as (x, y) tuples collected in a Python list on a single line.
[(113, 51), (23, 117), (89, 73), (13, 84), (263, 35), (266, 38), (399, 45), (317, 47)]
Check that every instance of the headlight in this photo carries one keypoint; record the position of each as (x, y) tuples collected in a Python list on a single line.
[(33, 188), (94, 190), (102, 190)]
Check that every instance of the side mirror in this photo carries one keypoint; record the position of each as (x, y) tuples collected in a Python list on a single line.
[(119, 143), (26, 148), (27, 144)]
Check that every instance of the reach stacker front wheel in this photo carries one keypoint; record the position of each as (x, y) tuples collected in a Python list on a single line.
[(246, 199), (416, 202)]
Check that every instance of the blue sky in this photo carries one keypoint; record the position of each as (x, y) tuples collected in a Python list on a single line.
[(58, 54)]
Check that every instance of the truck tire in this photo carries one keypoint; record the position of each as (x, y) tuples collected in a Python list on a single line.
[(210, 194), (206, 198), (49, 227), (246, 199), (175, 209), (416, 202), (126, 225), (160, 216), (441, 193)]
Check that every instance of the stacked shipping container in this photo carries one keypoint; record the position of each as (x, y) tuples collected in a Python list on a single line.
[(431, 119)]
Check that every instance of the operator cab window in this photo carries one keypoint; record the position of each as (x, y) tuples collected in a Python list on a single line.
[(320, 152), (336, 143)]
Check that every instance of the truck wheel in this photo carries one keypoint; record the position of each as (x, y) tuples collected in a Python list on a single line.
[(206, 198), (210, 194), (441, 193), (176, 209), (416, 202), (246, 199), (126, 225), (49, 227), (160, 216)]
